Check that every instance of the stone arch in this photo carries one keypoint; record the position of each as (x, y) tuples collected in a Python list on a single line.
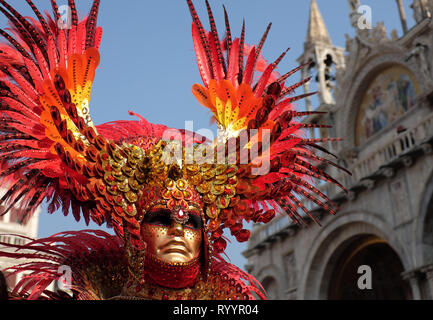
[(333, 239), (351, 96), (381, 271), (270, 285), (424, 225), (270, 278)]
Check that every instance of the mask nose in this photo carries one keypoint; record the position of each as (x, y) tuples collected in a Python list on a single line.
[(176, 229)]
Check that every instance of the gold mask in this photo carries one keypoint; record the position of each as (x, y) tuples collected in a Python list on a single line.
[(172, 236)]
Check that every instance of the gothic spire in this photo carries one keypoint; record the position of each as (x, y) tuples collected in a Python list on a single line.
[(317, 31)]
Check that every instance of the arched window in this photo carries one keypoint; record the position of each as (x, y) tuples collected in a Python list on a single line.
[(389, 95)]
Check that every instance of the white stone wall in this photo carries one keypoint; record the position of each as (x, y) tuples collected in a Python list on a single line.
[(9, 229)]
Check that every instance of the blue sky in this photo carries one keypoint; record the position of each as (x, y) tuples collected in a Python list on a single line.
[(148, 62)]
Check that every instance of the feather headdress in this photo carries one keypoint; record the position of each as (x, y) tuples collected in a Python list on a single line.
[(259, 129)]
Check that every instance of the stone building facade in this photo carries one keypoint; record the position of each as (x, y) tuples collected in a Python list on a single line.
[(11, 226), (378, 93)]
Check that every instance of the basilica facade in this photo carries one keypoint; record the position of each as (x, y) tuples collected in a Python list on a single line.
[(378, 96)]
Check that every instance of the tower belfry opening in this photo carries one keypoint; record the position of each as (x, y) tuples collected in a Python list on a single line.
[(326, 57)]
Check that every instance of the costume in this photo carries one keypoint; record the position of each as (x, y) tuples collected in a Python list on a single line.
[(168, 194)]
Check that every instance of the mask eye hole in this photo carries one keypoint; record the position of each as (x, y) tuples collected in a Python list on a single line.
[(194, 222), (158, 217)]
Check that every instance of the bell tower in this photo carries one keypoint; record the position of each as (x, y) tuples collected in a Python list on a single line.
[(326, 57)]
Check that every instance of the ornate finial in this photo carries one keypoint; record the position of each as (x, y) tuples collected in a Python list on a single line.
[(354, 14), (421, 10)]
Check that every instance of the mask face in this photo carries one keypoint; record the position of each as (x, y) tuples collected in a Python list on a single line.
[(170, 239)]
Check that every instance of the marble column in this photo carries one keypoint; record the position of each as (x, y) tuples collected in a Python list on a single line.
[(428, 271), (413, 278), (402, 15)]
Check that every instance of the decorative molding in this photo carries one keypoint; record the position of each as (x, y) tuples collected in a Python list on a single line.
[(411, 274), (388, 172), (427, 148), (368, 183), (351, 195), (428, 271), (407, 161)]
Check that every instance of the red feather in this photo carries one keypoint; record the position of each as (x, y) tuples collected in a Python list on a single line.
[(81, 37), (98, 37), (233, 65), (217, 66), (35, 74), (52, 53), (42, 63), (249, 67), (201, 56)]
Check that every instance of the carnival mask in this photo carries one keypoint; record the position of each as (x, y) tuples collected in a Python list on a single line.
[(172, 236)]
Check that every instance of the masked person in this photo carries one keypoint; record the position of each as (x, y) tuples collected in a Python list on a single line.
[(168, 201)]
